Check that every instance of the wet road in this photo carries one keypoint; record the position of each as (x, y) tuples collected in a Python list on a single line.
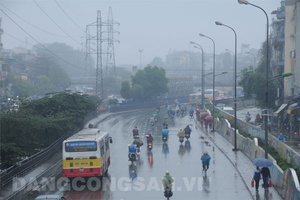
[(143, 180)]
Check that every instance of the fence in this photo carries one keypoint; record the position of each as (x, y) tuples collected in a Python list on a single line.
[(285, 182)]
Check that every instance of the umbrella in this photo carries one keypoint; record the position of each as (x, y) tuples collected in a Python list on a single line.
[(262, 162)]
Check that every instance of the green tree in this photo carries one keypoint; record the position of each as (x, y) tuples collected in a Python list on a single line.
[(20, 87), (41, 122), (146, 84), (255, 83), (125, 90)]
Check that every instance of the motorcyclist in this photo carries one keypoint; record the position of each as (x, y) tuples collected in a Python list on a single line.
[(165, 123), (248, 116), (149, 138), (132, 150), (165, 132), (135, 131), (205, 158), (155, 117), (138, 142), (187, 130), (181, 134), (167, 181), (191, 112)]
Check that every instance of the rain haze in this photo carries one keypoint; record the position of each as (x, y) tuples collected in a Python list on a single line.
[(147, 28)]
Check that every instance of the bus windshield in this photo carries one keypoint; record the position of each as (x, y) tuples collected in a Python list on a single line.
[(80, 146)]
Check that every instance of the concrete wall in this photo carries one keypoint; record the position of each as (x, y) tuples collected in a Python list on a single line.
[(285, 182)]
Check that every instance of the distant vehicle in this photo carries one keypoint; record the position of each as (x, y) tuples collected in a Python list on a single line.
[(208, 93), (220, 106), (50, 197), (229, 110), (195, 99), (86, 154)]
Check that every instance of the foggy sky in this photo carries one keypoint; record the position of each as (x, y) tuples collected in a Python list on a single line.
[(158, 27)]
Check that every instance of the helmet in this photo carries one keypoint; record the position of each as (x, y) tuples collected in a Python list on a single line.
[(167, 172), (205, 152)]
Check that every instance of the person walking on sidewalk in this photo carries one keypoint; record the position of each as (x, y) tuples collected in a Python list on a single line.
[(257, 177), (266, 175)]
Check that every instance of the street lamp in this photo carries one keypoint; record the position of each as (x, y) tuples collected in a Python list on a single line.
[(232, 70), (214, 69), (266, 81), (235, 49), (202, 72)]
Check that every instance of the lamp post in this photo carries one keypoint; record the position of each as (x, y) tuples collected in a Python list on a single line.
[(202, 72), (141, 51), (235, 49), (266, 81), (232, 71), (214, 70)]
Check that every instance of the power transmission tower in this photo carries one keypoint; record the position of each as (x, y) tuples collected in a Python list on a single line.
[(110, 59), (110, 69), (99, 74), (99, 90)]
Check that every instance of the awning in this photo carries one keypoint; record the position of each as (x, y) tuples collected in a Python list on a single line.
[(281, 108), (292, 107)]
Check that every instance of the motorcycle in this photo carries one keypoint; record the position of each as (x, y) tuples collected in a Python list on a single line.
[(168, 192), (187, 135), (133, 157), (149, 146), (247, 118), (181, 139), (132, 153), (164, 138)]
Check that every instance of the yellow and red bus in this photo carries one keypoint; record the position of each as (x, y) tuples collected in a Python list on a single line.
[(86, 154)]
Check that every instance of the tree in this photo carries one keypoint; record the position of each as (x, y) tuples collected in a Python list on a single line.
[(125, 90), (146, 84), (256, 82)]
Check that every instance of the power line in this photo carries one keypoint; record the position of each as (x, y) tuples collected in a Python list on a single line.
[(16, 38), (38, 41), (32, 24), (55, 22), (68, 16)]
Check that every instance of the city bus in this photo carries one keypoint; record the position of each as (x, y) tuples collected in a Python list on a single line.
[(195, 99), (208, 93), (86, 154)]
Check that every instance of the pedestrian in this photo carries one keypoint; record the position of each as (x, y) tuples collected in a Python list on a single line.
[(257, 177), (266, 175), (281, 137)]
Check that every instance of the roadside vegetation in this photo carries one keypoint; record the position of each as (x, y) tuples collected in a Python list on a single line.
[(39, 123)]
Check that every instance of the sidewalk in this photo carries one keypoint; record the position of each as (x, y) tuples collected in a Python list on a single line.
[(243, 165)]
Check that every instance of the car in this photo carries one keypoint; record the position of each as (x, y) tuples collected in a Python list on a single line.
[(51, 197), (229, 110), (220, 106)]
